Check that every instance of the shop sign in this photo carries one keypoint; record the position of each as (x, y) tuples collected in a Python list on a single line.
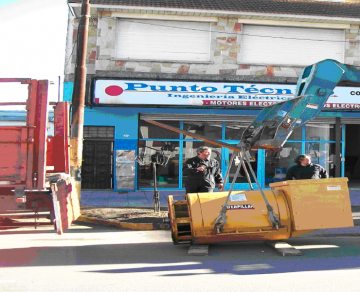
[(206, 94)]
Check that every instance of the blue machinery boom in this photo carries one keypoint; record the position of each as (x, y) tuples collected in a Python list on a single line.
[(272, 127)]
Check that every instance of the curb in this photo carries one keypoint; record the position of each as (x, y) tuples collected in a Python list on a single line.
[(158, 226), (349, 234), (124, 225)]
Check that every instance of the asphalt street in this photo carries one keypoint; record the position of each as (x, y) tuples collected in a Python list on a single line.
[(98, 258)]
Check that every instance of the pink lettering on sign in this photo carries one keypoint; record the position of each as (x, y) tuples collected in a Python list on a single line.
[(113, 90), (237, 103)]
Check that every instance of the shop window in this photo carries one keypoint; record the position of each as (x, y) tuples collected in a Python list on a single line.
[(167, 170), (320, 132), (278, 163), (211, 130), (323, 154), (98, 132), (125, 169), (296, 134), (234, 131), (150, 131), (189, 151), (242, 177)]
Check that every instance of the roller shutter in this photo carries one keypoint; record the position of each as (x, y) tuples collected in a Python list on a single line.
[(277, 45), (163, 40)]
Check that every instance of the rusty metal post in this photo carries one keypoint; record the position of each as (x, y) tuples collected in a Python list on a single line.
[(78, 98)]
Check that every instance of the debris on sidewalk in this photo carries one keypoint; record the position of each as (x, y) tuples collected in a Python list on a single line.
[(126, 215)]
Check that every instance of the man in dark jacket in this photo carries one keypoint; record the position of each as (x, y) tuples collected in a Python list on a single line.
[(202, 172), (304, 169)]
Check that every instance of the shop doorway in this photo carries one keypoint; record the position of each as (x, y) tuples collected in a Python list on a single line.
[(241, 182), (352, 155), (97, 168), (98, 156)]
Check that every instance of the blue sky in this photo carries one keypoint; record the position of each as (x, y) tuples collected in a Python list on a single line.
[(33, 40)]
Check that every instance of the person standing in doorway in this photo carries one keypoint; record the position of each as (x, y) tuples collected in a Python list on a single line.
[(305, 169), (203, 172)]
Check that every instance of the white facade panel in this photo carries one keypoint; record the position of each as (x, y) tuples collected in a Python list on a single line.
[(162, 40), (274, 45)]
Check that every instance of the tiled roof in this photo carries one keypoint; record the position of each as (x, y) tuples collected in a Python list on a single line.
[(318, 8)]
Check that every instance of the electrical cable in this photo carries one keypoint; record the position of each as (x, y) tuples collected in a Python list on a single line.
[(242, 34)]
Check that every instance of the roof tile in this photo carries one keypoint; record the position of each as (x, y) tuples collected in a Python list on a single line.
[(296, 7)]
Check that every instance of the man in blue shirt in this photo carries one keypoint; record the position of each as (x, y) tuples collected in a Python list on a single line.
[(304, 169)]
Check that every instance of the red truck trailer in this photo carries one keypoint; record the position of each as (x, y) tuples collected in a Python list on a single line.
[(34, 167)]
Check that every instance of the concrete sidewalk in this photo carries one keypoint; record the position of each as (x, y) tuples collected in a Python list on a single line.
[(144, 199), (111, 199)]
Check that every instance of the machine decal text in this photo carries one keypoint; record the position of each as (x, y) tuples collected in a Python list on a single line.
[(236, 207), (333, 188)]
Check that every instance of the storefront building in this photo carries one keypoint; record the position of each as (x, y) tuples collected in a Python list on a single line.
[(210, 74)]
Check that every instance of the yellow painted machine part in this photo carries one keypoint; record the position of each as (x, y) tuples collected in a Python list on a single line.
[(302, 206), (249, 222), (193, 217), (317, 204), (180, 220)]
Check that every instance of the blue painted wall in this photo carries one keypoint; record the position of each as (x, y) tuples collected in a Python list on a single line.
[(125, 122)]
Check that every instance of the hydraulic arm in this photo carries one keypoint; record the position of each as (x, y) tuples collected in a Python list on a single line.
[(272, 127)]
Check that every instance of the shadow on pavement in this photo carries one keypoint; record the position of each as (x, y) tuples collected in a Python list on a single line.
[(243, 258)]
